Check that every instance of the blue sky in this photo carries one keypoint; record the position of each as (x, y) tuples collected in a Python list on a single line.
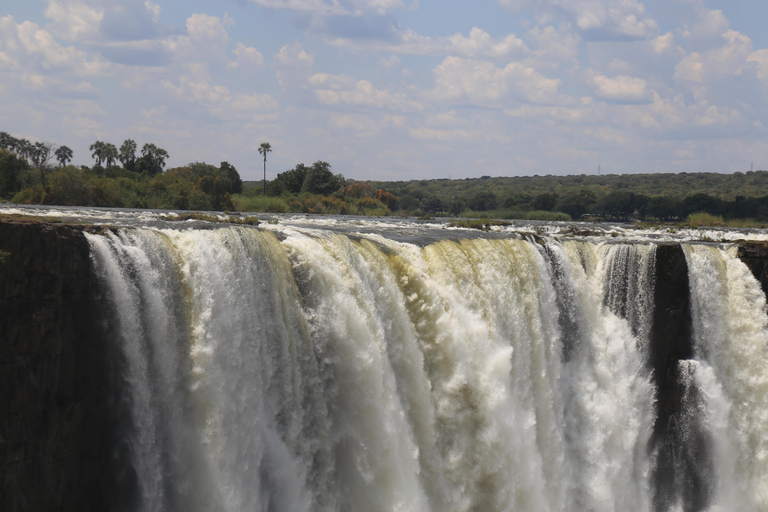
[(396, 89)]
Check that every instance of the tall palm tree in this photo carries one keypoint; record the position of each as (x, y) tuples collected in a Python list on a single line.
[(128, 153), (109, 153), (63, 155), (98, 152), (264, 149)]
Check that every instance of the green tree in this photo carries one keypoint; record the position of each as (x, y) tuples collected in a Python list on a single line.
[(292, 180), (545, 201), (152, 161), (127, 153), (320, 179), (63, 155), (7, 141), (263, 150), (40, 154), (110, 154), (228, 170), (11, 167), (97, 152), (24, 149)]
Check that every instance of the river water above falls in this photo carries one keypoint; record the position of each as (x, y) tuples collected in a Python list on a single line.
[(333, 365)]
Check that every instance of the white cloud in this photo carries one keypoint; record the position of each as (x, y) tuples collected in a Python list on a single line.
[(622, 89), (670, 115), (479, 44), (596, 19), (246, 55), (363, 125), (74, 20), (218, 100), (483, 83), (104, 21), (431, 134), (554, 47), (663, 42), (26, 47), (332, 7), (586, 113), (391, 61), (706, 28), (343, 90), (760, 58), (294, 66), (727, 59)]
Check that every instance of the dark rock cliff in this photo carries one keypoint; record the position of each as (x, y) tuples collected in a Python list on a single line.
[(55, 428), (755, 256)]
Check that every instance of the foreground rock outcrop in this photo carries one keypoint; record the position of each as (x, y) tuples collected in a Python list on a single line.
[(55, 427)]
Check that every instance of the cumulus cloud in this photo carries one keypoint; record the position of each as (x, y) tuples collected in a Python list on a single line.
[(727, 59), (365, 125), (27, 47), (345, 91), (294, 66), (478, 44), (481, 44), (663, 43), (554, 46), (760, 59), (246, 55), (99, 21), (483, 83), (597, 20), (622, 89), (218, 100), (336, 7), (705, 28)]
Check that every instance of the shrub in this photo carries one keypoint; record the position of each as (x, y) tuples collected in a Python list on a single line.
[(704, 219)]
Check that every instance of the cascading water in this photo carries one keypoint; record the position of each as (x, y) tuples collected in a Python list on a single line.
[(325, 372), (730, 328)]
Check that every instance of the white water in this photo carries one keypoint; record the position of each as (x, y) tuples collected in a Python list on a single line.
[(731, 335), (324, 372)]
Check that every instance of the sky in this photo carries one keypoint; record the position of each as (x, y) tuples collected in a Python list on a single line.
[(396, 89)]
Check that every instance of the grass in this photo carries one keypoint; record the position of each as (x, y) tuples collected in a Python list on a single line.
[(517, 214), (482, 224), (264, 204), (249, 221), (703, 219)]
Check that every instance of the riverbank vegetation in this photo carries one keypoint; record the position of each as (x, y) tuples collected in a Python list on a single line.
[(125, 176)]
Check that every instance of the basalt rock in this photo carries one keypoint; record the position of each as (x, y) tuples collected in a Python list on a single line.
[(55, 428)]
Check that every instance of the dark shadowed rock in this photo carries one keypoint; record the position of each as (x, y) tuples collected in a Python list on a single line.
[(55, 429)]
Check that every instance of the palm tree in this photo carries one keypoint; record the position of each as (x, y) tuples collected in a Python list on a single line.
[(128, 153), (63, 155), (153, 158), (110, 153), (98, 152), (264, 149)]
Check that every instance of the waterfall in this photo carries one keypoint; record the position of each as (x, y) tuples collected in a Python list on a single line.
[(321, 371), (730, 329)]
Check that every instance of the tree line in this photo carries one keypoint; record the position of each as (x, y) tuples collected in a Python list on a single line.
[(128, 177), (120, 177)]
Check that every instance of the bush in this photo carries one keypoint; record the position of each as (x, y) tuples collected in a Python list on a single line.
[(700, 219), (264, 204)]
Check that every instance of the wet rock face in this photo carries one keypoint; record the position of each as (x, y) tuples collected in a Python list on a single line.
[(755, 256), (55, 430), (683, 474)]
